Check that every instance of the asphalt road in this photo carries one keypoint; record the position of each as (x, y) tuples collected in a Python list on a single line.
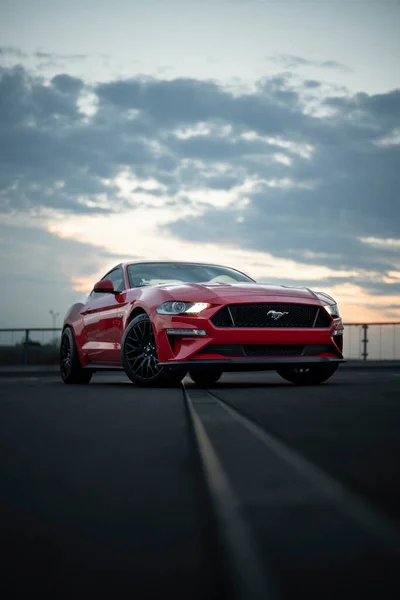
[(252, 489)]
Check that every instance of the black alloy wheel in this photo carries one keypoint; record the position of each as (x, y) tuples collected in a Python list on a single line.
[(70, 365), (140, 358), (308, 375), (203, 378)]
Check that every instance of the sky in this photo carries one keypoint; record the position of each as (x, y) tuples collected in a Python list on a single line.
[(260, 134)]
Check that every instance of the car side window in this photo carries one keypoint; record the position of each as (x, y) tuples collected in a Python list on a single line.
[(117, 277)]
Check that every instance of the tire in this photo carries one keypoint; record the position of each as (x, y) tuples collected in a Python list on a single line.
[(205, 378), (70, 365), (312, 375), (140, 359)]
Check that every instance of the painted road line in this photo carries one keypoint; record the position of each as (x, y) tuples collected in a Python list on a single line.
[(248, 576)]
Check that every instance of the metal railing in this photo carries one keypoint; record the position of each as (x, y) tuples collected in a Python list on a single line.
[(36, 346), (372, 341), (33, 346)]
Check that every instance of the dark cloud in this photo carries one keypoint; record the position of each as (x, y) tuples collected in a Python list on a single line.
[(50, 155), (384, 289), (311, 84), (379, 110), (273, 109), (311, 206), (296, 235), (67, 84), (29, 105)]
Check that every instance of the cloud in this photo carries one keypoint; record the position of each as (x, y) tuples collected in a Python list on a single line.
[(11, 51), (58, 56), (290, 61), (253, 169), (67, 84)]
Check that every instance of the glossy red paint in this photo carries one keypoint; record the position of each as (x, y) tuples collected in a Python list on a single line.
[(99, 323)]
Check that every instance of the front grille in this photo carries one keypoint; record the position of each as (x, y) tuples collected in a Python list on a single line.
[(262, 315), (238, 350)]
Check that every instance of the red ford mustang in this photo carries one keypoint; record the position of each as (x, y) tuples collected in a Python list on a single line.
[(160, 320)]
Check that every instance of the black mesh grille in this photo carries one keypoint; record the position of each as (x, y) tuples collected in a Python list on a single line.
[(323, 319), (267, 315), (231, 350), (223, 349), (317, 349), (222, 318)]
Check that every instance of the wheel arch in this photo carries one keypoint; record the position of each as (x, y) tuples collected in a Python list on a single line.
[(137, 310), (79, 335), (73, 320)]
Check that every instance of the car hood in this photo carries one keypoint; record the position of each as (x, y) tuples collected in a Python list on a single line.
[(205, 292)]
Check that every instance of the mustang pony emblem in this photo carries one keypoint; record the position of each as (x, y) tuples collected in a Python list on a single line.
[(275, 314)]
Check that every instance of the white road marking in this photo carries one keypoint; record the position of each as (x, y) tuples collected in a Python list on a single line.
[(250, 577)]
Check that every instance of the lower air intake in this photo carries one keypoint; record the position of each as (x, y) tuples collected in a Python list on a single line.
[(264, 350)]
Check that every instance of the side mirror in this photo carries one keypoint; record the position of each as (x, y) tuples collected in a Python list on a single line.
[(105, 286)]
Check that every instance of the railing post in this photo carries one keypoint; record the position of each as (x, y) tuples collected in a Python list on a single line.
[(26, 347), (365, 342)]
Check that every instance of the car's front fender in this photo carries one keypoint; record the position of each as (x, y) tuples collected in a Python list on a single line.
[(74, 320)]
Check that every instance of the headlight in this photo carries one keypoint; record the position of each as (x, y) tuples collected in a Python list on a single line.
[(333, 310), (182, 308)]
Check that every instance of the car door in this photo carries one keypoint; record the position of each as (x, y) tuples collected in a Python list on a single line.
[(103, 320)]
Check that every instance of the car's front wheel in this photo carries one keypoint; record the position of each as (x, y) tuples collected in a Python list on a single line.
[(70, 365), (204, 378), (311, 375), (140, 359)]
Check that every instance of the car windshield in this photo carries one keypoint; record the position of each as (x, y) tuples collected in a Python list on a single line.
[(161, 273)]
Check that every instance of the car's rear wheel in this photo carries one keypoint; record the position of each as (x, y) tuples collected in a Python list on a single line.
[(140, 358), (70, 366), (204, 378), (311, 375)]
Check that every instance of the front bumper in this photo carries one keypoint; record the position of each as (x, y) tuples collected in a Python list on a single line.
[(200, 350)]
